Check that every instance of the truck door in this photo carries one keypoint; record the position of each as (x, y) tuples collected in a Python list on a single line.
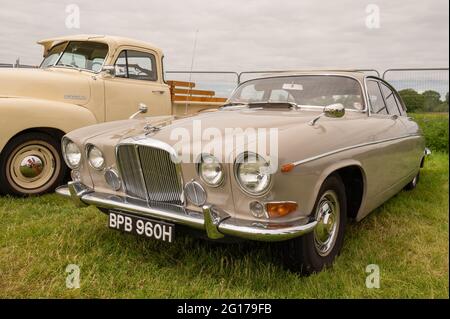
[(136, 81)]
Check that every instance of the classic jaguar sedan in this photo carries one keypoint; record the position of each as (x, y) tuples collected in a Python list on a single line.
[(330, 146)]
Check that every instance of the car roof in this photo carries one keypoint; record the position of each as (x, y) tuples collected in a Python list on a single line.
[(359, 75), (113, 41)]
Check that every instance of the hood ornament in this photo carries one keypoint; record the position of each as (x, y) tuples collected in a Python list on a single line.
[(150, 129)]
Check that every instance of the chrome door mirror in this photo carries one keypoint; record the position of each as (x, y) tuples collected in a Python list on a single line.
[(332, 110), (108, 71), (142, 109)]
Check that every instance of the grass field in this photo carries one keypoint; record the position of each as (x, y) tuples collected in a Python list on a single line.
[(407, 237)]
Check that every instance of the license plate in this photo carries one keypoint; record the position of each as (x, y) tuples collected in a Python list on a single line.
[(141, 226)]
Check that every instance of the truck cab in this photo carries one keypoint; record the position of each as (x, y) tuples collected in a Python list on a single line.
[(82, 80)]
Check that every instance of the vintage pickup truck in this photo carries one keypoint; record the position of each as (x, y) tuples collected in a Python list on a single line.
[(82, 80)]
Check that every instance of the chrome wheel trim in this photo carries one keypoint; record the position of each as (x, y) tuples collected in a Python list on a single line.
[(32, 166), (328, 217), (414, 181)]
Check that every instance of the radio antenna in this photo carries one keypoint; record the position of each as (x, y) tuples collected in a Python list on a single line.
[(192, 68)]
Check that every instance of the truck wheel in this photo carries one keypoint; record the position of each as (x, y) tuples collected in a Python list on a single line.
[(31, 164), (312, 252)]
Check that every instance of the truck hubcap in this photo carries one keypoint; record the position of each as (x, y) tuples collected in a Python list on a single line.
[(32, 166), (327, 216)]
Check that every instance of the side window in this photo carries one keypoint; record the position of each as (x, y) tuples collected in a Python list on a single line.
[(121, 65), (391, 103), (376, 98), (136, 65)]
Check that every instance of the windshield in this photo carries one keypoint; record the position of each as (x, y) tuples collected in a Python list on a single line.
[(310, 90), (77, 54), (53, 55)]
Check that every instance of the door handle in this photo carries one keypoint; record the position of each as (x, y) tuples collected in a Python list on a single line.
[(158, 91)]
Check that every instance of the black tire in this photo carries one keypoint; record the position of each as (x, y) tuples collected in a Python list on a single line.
[(34, 179), (413, 184), (301, 254)]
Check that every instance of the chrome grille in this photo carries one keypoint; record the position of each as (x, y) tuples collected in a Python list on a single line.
[(130, 169), (150, 174)]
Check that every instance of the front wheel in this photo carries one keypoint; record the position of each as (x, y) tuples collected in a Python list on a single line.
[(31, 164), (312, 252)]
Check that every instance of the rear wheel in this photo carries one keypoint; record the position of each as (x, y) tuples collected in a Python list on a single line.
[(413, 184), (314, 251), (31, 164)]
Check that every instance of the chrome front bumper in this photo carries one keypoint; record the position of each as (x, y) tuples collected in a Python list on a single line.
[(216, 223)]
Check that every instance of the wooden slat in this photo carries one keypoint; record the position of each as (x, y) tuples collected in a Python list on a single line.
[(187, 98), (193, 92), (182, 84)]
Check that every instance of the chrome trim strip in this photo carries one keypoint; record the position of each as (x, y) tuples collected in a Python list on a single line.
[(313, 158)]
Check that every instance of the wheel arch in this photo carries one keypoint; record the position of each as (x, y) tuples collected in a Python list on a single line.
[(354, 179)]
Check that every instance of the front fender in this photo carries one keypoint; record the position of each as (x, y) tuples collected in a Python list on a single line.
[(19, 114)]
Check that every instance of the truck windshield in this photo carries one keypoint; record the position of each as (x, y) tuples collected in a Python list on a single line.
[(77, 54), (305, 90)]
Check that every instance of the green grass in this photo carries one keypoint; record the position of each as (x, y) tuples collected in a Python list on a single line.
[(435, 129), (407, 237)]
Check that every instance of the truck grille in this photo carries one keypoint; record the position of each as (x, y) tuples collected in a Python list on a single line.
[(148, 173)]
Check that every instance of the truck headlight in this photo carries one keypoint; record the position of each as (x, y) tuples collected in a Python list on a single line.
[(95, 157), (210, 170), (252, 173), (71, 153)]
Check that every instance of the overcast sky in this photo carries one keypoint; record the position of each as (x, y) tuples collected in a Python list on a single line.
[(244, 35)]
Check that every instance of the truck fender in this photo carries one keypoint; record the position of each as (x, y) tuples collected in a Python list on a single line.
[(21, 114)]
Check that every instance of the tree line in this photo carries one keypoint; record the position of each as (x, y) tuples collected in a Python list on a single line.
[(428, 101)]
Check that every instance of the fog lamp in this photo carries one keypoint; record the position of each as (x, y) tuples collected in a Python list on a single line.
[(257, 209)]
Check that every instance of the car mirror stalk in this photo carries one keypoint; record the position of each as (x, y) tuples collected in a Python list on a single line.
[(333, 111), (141, 110)]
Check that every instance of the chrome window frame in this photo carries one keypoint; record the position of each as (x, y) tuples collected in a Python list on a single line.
[(137, 49), (394, 91)]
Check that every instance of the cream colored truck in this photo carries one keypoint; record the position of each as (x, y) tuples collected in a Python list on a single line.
[(82, 80)]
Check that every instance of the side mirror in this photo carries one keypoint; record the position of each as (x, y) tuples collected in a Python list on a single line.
[(333, 111), (108, 71), (142, 109)]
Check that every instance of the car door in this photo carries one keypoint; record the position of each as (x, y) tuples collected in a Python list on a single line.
[(408, 158), (136, 80), (387, 166)]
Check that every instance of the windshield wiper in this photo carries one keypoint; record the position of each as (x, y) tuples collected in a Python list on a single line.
[(67, 65), (291, 105), (234, 104)]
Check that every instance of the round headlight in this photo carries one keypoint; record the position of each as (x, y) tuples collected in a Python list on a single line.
[(95, 157), (252, 173), (210, 170), (72, 153)]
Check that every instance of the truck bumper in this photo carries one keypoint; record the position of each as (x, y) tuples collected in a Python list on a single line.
[(213, 221)]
